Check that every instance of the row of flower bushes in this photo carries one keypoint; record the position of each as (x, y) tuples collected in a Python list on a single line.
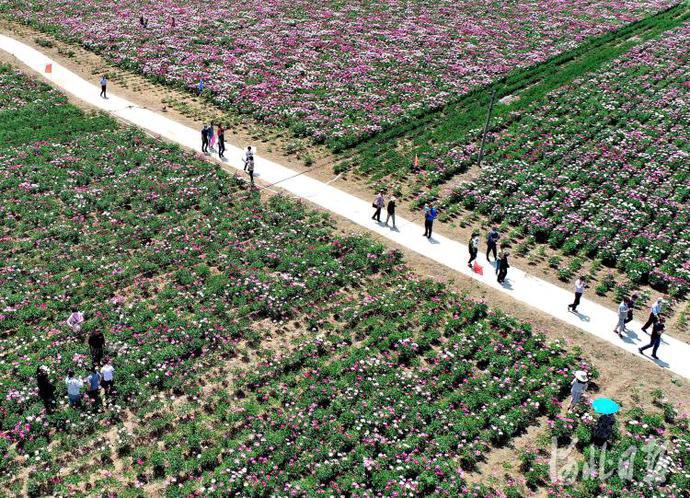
[(335, 71)]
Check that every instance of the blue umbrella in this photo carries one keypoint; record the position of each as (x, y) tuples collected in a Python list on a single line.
[(605, 406)]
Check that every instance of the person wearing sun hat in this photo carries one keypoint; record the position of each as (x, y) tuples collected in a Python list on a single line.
[(578, 387)]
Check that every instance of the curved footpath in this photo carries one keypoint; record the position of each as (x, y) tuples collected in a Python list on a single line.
[(546, 297)]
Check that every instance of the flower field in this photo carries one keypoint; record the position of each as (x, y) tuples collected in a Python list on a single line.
[(335, 71), (597, 168), (393, 385)]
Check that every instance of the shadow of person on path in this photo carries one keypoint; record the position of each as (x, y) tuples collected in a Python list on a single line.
[(660, 362), (631, 337), (581, 316), (393, 229), (506, 284), (432, 240)]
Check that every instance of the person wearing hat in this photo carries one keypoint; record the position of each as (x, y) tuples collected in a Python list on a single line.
[(578, 387), (46, 389), (390, 210), (654, 314)]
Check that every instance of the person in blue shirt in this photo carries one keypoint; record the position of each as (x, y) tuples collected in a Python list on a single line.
[(93, 386), (430, 214), (491, 243), (200, 87)]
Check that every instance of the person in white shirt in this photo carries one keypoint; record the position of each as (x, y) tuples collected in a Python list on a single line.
[(75, 320), (579, 386), (580, 285), (74, 385), (248, 157), (107, 373), (654, 314), (104, 84), (622, 316)]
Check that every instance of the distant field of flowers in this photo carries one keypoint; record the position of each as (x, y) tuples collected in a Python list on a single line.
[(333, 70), (603, 167)]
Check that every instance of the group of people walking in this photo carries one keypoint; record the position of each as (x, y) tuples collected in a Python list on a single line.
[(212, 134), (101, 375), (625, 315)]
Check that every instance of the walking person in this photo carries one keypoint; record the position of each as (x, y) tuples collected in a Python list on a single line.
[(211, 137), (578, 388), (491, 243), (104, 85), (75, 321), (108, 377), (250, 169), (248, 157), (221, 141), (378, 206), (655, 340), (46, 389), (96, 343), (74, 385), (623, 309), (654, 314), (390, 211), (430, 214), (633, 301), (473, 247), (204, 139), (503, 266), (93, 387), (580, 285)]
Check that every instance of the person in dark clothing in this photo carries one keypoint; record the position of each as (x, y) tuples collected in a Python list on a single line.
[(204, 139), (96, 343), (631, 307), (491, 243), (473, 247), (390, 209), (46, 389), (430, 214), (221, 141), (93, 386), (104, 86), (654, 314), (503, 267), (655, 340)]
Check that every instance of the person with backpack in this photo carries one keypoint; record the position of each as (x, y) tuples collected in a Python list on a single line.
[(74, 385), (503, 266), (204, 139), (46, 389), (96, 343), (378, 206), (248, 157), (221, 141), (492, 243), (430, 214), (580, 285), (104, 85), (93, 386), (390, 210), (655, 340), (108, 377), (473, 247)]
